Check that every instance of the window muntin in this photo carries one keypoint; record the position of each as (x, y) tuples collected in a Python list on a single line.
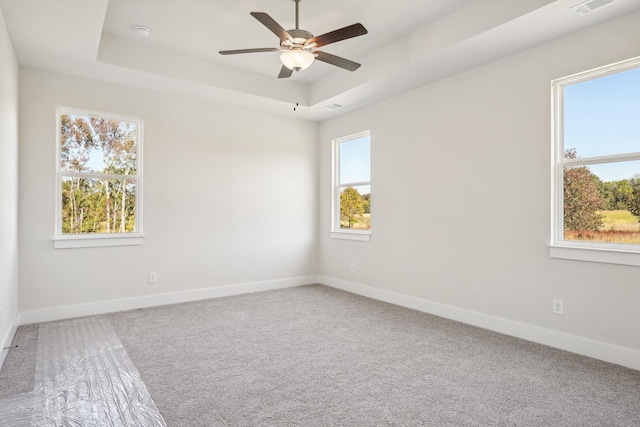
[(352, 184), (597, 159), (99, 180)]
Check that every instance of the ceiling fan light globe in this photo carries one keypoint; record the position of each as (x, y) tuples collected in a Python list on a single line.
[(297, 59)]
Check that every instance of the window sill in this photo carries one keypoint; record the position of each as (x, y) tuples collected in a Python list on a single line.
[(363, 236), (72, 242), (608, 256)]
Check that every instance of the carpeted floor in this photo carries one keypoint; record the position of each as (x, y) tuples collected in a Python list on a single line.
[(316, 356)]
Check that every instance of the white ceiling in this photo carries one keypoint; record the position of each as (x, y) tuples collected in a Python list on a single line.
[(410, 43)]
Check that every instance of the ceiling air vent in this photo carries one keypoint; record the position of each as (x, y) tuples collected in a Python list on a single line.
[(590, 5), (332, 107)]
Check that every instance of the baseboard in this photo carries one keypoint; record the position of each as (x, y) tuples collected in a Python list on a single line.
[(8, 339), (102, 307), (575, 344), (584, 346)]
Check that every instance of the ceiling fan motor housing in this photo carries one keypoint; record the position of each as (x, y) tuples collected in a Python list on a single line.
[(300, 37)]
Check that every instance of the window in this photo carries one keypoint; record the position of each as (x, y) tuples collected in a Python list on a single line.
[(596, 202), (352, 187), (99, 179)]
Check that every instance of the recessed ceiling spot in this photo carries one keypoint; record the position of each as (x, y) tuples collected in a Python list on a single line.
[(142, 30)]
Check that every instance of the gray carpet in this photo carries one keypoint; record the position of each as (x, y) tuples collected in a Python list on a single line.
[(315, 356)]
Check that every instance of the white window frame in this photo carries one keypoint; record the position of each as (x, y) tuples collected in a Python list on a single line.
[(611, 253), (66, 241), (336, 231)]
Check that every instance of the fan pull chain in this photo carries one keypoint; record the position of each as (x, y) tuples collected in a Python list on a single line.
[(295, 107)]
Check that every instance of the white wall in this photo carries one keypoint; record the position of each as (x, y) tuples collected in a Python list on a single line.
[(8, 186), (230, 197), (461, 196)]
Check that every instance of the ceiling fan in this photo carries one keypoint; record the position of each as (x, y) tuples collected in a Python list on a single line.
[(299, 47)]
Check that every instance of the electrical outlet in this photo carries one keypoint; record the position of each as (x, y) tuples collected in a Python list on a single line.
[(153, 277), (558, 307), (352, 266)]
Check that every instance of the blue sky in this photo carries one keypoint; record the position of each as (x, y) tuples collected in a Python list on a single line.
[(355, 162), (602, 117)]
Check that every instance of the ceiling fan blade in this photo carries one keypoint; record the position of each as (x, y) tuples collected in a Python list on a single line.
[(337, 61), (285, 73), (237, 51), (354, 30), (272, 25)]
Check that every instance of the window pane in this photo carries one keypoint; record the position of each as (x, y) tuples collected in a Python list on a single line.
[(602, 203), (355, 208), (98, 206), (602, 116), (355, 159), (90, 144)]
